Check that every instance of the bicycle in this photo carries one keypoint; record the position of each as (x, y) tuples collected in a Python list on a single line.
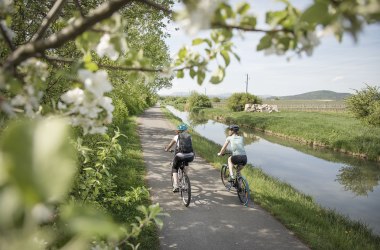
[(239, 182), (183, 182)]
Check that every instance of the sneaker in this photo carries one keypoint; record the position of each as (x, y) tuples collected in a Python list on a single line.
[(175, 190), (231, 179)]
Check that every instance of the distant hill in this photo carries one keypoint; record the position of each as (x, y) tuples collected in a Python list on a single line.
[(315, 95)]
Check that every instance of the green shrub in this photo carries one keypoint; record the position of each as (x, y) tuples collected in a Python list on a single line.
[(216, 99), (237, 101), (196, 101), (365, 105), (181, 100)]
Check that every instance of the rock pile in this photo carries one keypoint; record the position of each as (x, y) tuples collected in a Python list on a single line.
[(260, 108)]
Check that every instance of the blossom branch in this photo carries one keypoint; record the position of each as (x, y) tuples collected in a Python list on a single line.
[(7, 39), (111, 67), (76, 28), (227, 26), (50, 17)]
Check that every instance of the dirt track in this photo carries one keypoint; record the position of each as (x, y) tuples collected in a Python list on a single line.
[(215, 219)]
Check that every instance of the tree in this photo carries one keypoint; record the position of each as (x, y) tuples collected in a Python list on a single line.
[(215, 99), (237, 101), (197, 101), (365, 105)]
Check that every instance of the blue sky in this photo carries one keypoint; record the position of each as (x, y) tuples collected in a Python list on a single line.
[(340, 67)]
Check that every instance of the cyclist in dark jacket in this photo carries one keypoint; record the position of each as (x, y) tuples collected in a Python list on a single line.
[(179, 154)]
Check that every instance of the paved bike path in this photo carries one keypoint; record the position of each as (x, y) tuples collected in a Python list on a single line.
[(214, 219)]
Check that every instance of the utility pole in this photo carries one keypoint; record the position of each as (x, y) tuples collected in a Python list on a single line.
[(205, 90), (246, 85)]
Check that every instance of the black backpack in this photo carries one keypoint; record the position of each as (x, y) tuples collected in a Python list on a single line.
[(185, 144)]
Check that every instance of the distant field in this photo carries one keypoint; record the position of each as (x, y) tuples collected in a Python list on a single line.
[(301, 105)]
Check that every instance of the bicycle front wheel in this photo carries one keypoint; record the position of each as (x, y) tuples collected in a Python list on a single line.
[(224, 174), (243, 190), (185, 190)]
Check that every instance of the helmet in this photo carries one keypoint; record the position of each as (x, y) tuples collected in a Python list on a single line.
[(182, 127), (234, 128)]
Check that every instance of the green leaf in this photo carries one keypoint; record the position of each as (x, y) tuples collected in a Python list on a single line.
[(197, 41), (193, 73), (248, 21), (43, 165), (217, 76), (225, 56), (182, 53), (87, 58), (242, 8), (91, 66), (208, 42), (265, 42), (226, 10), (236, 56), (200, 77), (276, 17), (180, 74), (317, 13)]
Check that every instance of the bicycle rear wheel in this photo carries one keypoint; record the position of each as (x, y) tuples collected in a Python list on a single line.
[(224, 174), (185, 190), (243, 190)]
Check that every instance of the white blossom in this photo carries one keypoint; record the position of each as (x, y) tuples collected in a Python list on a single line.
[(198, 18), (167, 73), (41, 213), (105, 48), (88, 107), (29, 100), (97, 82), (35, 71), (309, 41), (75, 96)]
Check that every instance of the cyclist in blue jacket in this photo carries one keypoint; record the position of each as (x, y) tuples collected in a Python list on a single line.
[(239, 155)]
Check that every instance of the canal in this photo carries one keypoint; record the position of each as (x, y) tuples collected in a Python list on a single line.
[(345, 184)]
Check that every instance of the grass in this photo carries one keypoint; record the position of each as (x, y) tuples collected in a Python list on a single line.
[(338, 131), (130, 173), (317, 227)]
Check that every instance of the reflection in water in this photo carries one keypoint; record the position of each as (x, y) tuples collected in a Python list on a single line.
[(346, 184), (359, 180), (197, 118)]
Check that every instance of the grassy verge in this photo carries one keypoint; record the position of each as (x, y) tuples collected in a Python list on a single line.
[(130, 173), (319, 228), (338, 131)]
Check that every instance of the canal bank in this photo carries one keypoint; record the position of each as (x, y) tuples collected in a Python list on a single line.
[(291, 166)]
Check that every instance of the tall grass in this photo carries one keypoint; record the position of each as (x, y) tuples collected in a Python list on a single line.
[(319, 228), (130, 174)]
